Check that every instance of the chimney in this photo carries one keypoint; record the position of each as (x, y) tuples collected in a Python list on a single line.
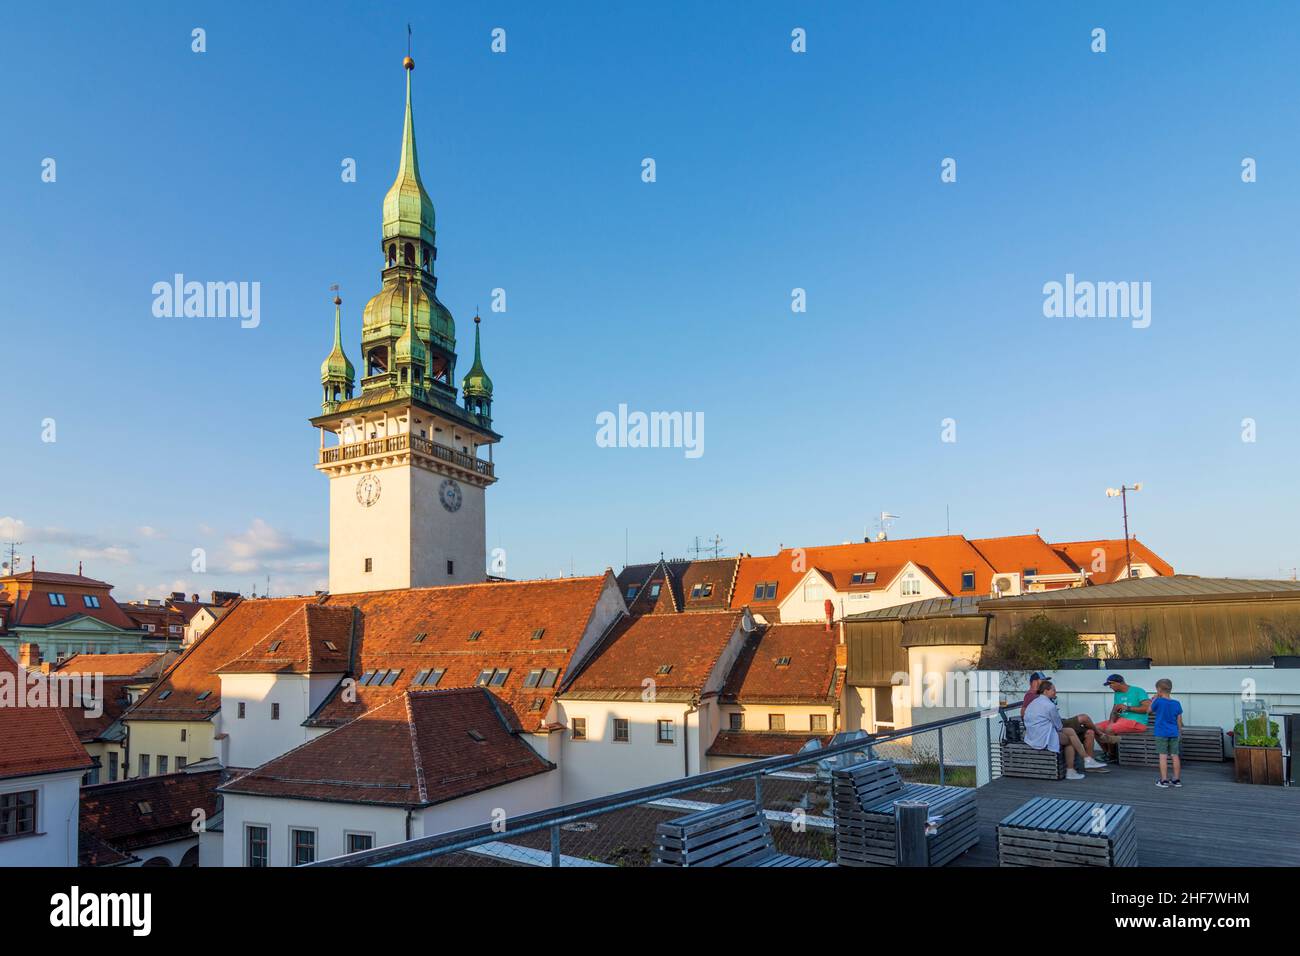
[(830, 614), (841, 650), (29, 656)]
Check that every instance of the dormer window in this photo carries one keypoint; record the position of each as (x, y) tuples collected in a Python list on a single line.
[(701, 591), (968, 580), (57, 599), (632, 590), (90, 600), (654, 589)]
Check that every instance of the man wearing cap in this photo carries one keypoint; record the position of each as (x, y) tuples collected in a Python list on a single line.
[(1081, 724), (1130, 713)]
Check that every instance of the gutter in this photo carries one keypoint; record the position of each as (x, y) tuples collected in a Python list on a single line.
[(692, 708)]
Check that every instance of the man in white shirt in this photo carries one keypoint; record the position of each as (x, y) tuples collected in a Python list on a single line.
[(1043, 731)]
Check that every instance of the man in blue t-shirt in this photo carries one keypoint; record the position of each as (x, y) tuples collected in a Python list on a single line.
[(1167, 731)]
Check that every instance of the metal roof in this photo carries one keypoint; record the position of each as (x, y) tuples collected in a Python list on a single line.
[(930, 607), (1177, 588)]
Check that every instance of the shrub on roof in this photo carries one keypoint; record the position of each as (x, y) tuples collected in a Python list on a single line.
[(1037, 644)]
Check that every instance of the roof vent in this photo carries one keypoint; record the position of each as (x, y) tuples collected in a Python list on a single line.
[(144, 806), (475, 735)]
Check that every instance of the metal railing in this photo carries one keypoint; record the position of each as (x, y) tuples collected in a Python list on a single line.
[(794, 792)]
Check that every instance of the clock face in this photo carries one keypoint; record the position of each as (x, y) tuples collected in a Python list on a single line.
[(449, 495), (368, 489)]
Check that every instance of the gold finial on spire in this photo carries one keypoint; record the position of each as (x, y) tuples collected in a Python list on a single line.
[(408, 63)]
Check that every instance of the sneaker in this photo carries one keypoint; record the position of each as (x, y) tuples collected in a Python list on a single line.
[(1090, 764), (1176, 783), (1073, 774), (1163, 784)]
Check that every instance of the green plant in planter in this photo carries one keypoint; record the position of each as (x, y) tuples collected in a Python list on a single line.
[(1037, 644), (1254, 733), (1132, 641), (1280, 637)]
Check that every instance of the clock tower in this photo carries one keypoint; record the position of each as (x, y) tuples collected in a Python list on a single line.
[(407, 480)]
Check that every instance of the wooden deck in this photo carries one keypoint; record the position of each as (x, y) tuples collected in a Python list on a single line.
[(1211, 821)]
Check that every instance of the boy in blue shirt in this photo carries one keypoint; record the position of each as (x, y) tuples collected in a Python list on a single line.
[(1168, 729)]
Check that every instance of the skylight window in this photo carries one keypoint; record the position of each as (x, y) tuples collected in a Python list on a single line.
[(537, 704), (365, 678), (537, 634), (144, 806), (783, 662), (765, 591), (654, 590), (701, 591), (632, 590), (484, 677), (390, 678), (331, 645), (275, 646), (90, 600), (434, 676), (57, 599), (475, 635), (549, 677), (475, 735), (419, 638), (204, 696), (420, 676), (863, 577), (499, 678), (534, 677), (665, 668), (968, 580), (164, 695)]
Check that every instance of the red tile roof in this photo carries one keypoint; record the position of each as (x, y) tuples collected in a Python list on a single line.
[(679, 579), (639, 647), (1082, 554), (507, 616), (30, 592), (944, 558), (314, 639), (418, 749), (759, 744), (89, 729), (195, 671), (145, 811), (34, 740), (110, 665), (809, 677), (1020, 552)]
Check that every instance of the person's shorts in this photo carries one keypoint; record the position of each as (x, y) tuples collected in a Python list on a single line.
[(1073, 724), (1169, 745), (1121, 725)]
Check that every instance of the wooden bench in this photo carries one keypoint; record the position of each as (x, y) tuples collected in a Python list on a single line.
[(1022, 760), (1198, 743), (731, 834), (862, 800), (1050, 832)]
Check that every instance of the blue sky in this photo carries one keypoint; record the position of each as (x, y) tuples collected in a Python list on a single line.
[(775, 170)]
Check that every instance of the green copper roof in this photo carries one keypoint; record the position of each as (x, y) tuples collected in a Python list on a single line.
[(337, 366), (408, 210), (476, 380), (410, 347)]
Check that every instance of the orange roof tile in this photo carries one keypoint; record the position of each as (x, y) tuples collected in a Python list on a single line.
[(314, 639), (1082, 554), (759, 744), (639, 647), (1021, 552), (808, 677), (34, 740), (417, 749), (110, 665)]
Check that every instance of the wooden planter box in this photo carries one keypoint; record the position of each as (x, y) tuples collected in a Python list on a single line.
[(1286, 660), (1128, 663), (1079, 664), (1258, 764)]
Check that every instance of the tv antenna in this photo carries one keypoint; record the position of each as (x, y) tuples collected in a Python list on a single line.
[(714, 546), (883, 523), (12, 564)]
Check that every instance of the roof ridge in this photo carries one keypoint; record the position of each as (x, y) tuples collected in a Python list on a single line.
[(421, 790)]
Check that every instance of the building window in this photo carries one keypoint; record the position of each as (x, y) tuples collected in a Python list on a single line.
[(701, 591), (112, 766), (144, 765), (162, 763), (654, 589), (304, 847), (149, 628), (243, 709), (911, 585), (358, 842), (18, 813), (92, 775), (1030, 572), (765, 591), (57, 599), (667, 729), (776, 722), (257, 846), (90, 600), (631, 591), (884, 706), (1135, 572), (968, 580), (451, 567), (817, 723), (275, 711), (180, 763), (370, 565), (183, 733), (579, 728), (621, 729), (737, 722)]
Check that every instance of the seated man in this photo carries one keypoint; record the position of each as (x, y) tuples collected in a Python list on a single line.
[(1044, 731), (1081, 724), (1130, 713)]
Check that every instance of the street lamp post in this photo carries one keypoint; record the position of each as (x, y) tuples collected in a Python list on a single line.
[(1122, 494)]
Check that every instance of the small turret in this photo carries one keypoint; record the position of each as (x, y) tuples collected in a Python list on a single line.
[(476, 385), (336, 372)]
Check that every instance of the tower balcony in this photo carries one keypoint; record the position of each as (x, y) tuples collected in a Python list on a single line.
[(409, 444)]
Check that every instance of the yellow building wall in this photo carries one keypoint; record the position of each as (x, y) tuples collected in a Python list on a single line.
[(155, 737), (797, 717)]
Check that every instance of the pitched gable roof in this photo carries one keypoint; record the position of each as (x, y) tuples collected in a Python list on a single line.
[(145, 811), (34, 740), (515, 628), (686, 582), (1082, 555), (416, 749), (807, 676), (639, 648), (111, 665), (1022, 552), (759, 744), (314, 639), (175, 695)]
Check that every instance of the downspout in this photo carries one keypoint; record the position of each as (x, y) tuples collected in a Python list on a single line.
[(692, 708), (409, 811)]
